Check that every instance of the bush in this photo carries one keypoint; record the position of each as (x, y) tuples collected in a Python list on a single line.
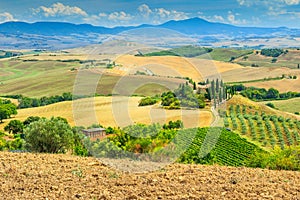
[(148, 101), (272, 52), (49, 136), (287, 159), (271, 105)]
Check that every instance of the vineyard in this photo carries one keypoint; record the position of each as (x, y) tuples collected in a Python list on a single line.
[(269, 130), (220, 146)]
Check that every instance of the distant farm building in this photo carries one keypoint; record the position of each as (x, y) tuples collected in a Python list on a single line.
[(95, 133)]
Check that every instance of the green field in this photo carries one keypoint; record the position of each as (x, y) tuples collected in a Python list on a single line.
[(48, 78), (185, 51), (291, 105), (224, 54)]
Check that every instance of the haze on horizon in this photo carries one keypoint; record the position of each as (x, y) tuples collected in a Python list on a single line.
[(260, 13)]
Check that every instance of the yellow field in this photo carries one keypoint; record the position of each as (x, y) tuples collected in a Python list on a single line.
[(173, 66), (115, 115), (284, 85), (254, 73)]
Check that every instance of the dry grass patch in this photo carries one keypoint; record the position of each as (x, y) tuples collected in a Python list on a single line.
[(174, 66)]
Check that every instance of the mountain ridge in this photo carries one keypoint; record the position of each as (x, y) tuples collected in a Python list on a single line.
[(65, 35), (195, 26)]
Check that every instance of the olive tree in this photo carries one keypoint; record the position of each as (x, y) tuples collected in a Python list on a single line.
[(49, 136)]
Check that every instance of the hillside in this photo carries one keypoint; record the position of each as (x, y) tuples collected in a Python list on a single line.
[(261, 124), (46, 176), (32, 78), (105, 108), (289, 59), (290, 105)]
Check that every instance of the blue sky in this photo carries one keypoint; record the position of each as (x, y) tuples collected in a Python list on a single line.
[(270, 13)]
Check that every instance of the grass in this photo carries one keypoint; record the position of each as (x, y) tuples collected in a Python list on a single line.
[(290, 105), (184, 51), (225, 54), (48, 78)]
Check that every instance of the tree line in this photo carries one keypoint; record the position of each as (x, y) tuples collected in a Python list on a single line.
[(261, 94), (27, 102)]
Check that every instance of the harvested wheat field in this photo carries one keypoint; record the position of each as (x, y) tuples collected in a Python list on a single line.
[(285, 85), (255, 73), (197, 69), (46, 176), (114, 111)]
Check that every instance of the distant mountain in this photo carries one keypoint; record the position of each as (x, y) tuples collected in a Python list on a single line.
[(196, 26), (58, 35)]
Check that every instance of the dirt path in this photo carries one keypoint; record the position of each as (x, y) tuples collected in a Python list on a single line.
[(45, 176)]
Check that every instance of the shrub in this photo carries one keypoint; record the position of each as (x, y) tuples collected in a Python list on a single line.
[(49, 136), (271, 105), (148, 101), (287, 159)]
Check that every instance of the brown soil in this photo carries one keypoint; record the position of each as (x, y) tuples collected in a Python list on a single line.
[(42, 176)]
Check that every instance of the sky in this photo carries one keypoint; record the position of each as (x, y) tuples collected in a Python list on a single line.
[(110, 13)]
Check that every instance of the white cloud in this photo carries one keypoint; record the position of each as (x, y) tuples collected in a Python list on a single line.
[(5, 17), (102, 15), (232, 19), (119, 16), (59, 9), (292, 14), (214, 18), (144, 10), (160, 14), (218, 18), (245, 2), (268, 2), (291, 2)]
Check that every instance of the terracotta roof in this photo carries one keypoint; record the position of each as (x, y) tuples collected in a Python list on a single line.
[(94, 130)]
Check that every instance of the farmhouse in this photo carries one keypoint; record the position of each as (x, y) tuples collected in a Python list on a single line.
[(95, 133)]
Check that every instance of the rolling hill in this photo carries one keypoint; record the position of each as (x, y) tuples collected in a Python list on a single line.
[(80, 113)]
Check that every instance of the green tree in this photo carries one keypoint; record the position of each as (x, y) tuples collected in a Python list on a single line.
[(49, 136), (217, 85), (6, 110), (272, 93), (31, 119), (14, 126)]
